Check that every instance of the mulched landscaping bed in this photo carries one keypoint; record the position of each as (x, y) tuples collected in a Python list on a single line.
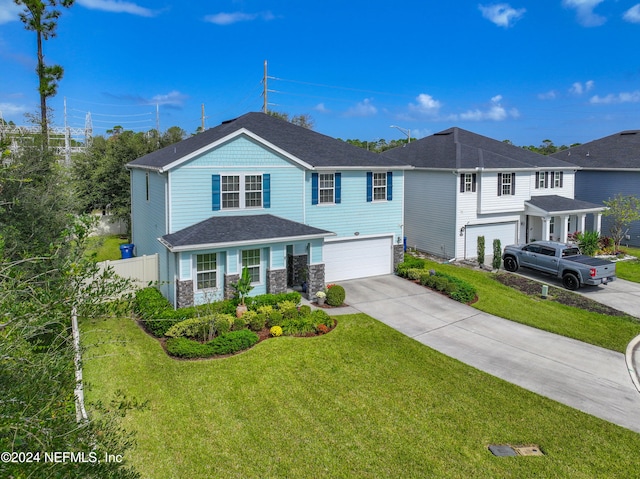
[(559, 295)]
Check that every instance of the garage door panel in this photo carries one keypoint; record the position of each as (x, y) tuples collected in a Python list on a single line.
[(359, 258), (505, 232)]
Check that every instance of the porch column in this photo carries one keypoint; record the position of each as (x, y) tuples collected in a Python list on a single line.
[(598, 222), (545, 228), (565, 228)]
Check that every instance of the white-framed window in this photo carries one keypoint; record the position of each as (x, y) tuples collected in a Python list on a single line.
[(251, 261), (326, 188), (241, 191), (507, 184), (541, 182), (468, 182), (557, 182), (379, 186), (552, 225), (206, 271)]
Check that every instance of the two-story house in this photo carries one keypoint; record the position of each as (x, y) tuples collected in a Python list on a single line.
[(464, 185), (289, 204), (608, 166)]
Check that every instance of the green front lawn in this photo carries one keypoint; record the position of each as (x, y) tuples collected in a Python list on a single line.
[(362, 401), (609, 332), (629, 270)]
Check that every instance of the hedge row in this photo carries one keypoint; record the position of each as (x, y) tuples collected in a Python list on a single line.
[(454, 287), (158, 314), (227, 343)]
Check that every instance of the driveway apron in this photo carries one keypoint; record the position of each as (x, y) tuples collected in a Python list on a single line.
[(585, 377)]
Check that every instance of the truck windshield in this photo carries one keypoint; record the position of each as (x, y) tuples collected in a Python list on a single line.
[(571, 252)]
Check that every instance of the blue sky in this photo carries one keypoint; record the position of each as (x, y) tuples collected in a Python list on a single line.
[(564, 70)]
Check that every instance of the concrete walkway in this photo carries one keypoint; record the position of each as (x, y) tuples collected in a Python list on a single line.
[(585, 377)]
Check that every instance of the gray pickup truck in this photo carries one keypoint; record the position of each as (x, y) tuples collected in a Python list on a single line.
[(561, 260)]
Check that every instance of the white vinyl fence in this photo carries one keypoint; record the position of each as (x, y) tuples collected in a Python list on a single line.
[(141, 269)]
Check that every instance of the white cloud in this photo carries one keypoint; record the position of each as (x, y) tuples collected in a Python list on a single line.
[(11, 110), (363, 108), (578, 88), (611, 99), (502, 14), (173, 98), (321, 108), (550, 95), (116, 6), (584, 10), (9, 11), (235, 17), (495, 112), (633, 14), (426, 104)]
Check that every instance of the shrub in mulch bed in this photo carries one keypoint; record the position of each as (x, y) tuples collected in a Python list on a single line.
[(456, 288)]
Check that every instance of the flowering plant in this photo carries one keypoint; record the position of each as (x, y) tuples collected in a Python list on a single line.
[(276, 331), (321, 294)]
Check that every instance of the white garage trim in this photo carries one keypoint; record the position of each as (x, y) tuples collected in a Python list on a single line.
[(357, 258), (507, 233)]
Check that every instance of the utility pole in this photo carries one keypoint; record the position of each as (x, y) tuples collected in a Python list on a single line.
[(264, 92), (202, 127)]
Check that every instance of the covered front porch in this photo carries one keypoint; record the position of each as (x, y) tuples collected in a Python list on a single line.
[(554, 217)]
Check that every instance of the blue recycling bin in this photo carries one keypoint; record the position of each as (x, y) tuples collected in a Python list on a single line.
[(126, 250)]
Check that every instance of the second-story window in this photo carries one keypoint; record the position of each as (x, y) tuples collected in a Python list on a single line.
[(253, 191), (380, 186), (506, 184), (230, 192), (557, 179), (467, 183), (326, 187), (241, 191)]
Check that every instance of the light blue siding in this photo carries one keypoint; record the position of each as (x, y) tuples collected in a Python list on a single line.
[(354, 214), (598, 186), (191, 183)]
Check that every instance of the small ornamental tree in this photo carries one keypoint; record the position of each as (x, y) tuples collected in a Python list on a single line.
[(480, 250), (497, 254), (623, 210)]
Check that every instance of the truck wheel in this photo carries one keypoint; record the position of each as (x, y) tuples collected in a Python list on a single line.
[(570, 281), (510, 264)]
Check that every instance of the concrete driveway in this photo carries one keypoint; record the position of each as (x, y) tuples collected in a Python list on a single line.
[(585, 377)]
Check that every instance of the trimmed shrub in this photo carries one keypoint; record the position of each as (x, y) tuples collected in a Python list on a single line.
[(223, 322), (497, 254), (414, 273), (202, 329), (298, 326), (233, 342), (304, 310), (188, 348), (254, 320), (335, 295), (275, 331), (257, 302), (320, 316), (455, 288), (239, 323), (288, 309), (274, 319), (480, 250)]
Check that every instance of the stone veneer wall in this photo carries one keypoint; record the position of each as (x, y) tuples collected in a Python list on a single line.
[(316, 280), (276, 281), (184, 291), (398, 255), (229, 292)]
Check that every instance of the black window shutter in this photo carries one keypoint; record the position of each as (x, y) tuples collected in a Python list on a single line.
[(553, 178), (513, 183), (462, 175), (537, 180), (546, 179), (473, 182), (561, 175), (499, 184)]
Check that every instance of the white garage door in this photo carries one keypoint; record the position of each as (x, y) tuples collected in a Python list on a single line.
[(359, 258), (505, 232)]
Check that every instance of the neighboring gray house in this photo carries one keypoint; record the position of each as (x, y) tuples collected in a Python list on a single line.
[(465, 185), (608, 166)]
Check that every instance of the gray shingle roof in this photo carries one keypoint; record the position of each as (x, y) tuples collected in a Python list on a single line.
[(618, 151), (456, 148), (306, 145), (559, 204), (226, 230)]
